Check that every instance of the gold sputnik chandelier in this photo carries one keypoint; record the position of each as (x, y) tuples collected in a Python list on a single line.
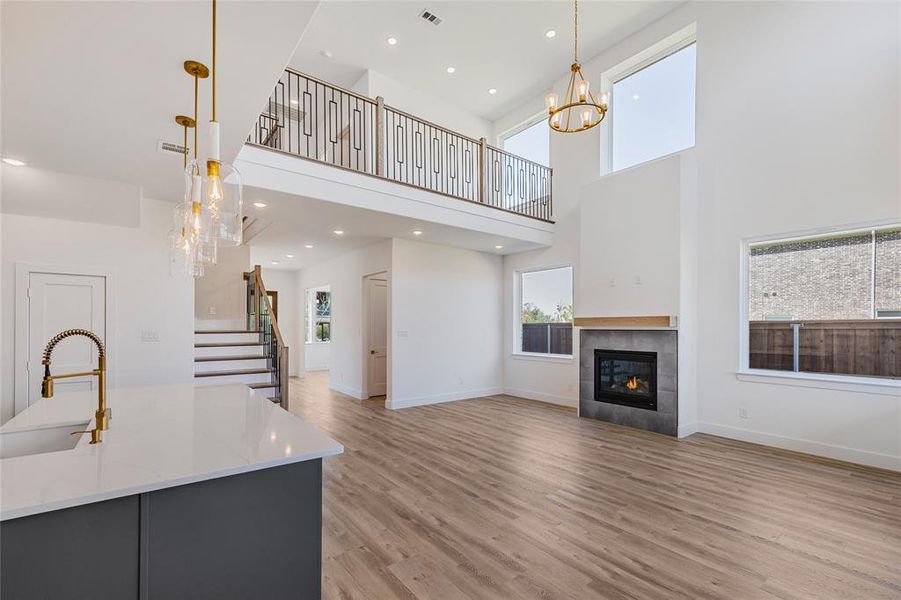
[(579, 110)]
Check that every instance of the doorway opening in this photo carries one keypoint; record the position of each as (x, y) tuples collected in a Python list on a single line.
[(375, 335)]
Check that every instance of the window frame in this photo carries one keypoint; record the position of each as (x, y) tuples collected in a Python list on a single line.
[(666, 47), (842, 382), (517, 314), (522, 126), (310, 319)]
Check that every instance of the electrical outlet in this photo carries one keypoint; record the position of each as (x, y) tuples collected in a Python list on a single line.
[(638, 280), (612, 282), (403, 334), (211, 310), (742, 413), (150, 336)]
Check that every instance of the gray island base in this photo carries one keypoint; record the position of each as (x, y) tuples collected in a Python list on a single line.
[(247, 536)]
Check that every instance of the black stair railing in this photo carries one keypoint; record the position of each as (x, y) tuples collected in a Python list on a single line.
[(262, 318), (312, 119)]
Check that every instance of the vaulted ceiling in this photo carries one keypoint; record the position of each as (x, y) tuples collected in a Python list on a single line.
[(90, 87), (490, 44)]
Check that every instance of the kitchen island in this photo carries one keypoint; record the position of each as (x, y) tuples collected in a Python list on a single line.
[(194, 492)]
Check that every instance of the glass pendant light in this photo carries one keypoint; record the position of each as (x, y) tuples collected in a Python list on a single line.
[(223, 186), (191, 235)]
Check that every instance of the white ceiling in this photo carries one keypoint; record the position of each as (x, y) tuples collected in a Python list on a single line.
[(491, 44), (295, 221), (89, 87)]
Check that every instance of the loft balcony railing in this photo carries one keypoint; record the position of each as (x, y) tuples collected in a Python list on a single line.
[(312, 119)]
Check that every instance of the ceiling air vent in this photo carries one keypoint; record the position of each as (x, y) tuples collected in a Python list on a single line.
[(430, 17), (162, 146)]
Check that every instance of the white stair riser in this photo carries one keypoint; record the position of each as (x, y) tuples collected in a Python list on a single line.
[(218, 338), (221, 379), (231, 351), (227, 365), (267, 392)]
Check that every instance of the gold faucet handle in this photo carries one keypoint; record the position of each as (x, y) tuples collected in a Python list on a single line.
[(95, 435)]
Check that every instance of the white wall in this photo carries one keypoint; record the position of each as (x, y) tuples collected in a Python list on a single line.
[(446, 315), (797, 127), (630, 236), (290, 313), (345, 276), (317, 356), (148, 297), (422, 104), (220, 296)]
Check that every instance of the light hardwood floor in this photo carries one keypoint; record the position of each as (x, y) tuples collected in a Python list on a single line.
[(507, 498)]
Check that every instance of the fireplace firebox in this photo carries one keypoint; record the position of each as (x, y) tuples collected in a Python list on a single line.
[(626, 377)]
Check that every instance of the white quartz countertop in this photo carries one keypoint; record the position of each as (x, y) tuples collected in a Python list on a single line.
[(159, 437)]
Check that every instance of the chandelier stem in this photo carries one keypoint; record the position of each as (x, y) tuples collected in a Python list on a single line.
[(575, 28)]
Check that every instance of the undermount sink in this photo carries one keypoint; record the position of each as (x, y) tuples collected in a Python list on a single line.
[(39, 441)]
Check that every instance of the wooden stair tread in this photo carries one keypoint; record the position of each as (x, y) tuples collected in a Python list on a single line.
[(227, 344), (196, 331), (233, 372), (260, 385), (239, 357)]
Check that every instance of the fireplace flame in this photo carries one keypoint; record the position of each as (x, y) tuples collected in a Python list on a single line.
[(632, 384)]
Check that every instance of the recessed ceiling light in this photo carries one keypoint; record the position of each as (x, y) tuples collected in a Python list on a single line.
[(260, 204), (13, 162), (392, 41), (308, 246), (550, 33), (636, 97), (338, 232), (492, 91), (451, 70), (417, 232), (326, 53), (498, 247), (275, 262), (289, 256)]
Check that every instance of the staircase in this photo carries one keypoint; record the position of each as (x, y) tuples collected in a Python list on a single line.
[(256, 355)]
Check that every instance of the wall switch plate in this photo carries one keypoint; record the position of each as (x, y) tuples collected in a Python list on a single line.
[(403, 334), (743, 413), (150, 336)]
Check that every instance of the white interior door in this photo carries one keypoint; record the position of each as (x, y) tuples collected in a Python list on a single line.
[(57, 302), (378, 337)]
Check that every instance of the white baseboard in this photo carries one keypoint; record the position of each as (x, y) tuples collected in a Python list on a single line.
[(347, 390), (395, 403), (542, 397), (687, 429), (316, 368), (863, 457)]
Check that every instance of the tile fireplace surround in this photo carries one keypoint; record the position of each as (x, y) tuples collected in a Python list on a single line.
[(663, 342)]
